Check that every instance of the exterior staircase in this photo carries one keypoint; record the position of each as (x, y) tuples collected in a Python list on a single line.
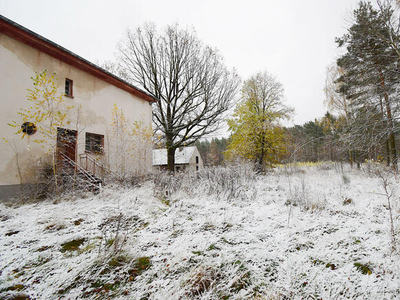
[(91, 165), (84, 176)]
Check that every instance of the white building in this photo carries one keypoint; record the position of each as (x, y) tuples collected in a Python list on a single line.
[(186, 158), (88, 87)]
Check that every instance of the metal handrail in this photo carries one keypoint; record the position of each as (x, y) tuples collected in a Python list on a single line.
[(90, 164), (79, 168)]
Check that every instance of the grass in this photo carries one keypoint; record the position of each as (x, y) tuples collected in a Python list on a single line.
[(209, 244)]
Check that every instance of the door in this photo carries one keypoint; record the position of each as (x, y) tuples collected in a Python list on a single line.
[(66, 148)]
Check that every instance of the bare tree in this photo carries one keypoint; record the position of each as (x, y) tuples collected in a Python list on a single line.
[(189, 79), (335, 101)]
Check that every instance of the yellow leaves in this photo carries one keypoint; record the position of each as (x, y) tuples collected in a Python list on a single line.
[(129, 140), (13, 124), (47, 110), (119, 122), (255, 133), (138, 128)]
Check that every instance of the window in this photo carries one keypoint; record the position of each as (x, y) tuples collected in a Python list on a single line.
[(197, 159), (94, 143), (68, 87)]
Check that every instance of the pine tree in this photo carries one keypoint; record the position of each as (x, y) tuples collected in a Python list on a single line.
[(371, 74)]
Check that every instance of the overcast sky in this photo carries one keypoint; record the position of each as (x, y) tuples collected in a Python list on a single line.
[(291, 39)]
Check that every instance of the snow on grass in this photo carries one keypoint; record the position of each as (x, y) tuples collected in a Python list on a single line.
[(297, 232)]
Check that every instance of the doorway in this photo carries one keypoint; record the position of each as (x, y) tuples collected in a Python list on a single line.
[(66, 147)]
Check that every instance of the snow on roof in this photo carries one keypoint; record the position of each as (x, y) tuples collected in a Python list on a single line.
[(182, 156)]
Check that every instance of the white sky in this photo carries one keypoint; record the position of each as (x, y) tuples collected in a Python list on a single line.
[(291, 39)]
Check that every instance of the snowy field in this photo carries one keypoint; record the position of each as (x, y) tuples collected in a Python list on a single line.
[(304, 232)]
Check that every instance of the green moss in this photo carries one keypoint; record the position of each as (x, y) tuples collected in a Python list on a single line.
[(331, 266), (110, 242), (177, 233), (208, 227), (118, 261), (317, 262), (99, 288), (321, 262), (72, 245), (213, 247), (227, 242), (139, 266), (19, 297), (166, 202), (363, 268), (301, 247), (88, 247), (16, 287)]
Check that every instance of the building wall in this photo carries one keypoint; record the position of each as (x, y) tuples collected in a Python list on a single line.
[(94, 98), (193, 163)]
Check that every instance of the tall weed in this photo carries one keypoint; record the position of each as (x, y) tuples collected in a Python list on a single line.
[(226, 183)]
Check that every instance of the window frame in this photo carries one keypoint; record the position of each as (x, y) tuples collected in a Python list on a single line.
[(70, 91), (94, 143)]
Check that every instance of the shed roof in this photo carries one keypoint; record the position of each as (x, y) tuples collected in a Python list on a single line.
[(35, 40), (182, 156)]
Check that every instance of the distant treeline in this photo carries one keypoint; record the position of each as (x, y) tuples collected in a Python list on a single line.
[(324, 139), (212, 151)]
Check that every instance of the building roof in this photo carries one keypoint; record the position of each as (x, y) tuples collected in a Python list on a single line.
[(34, 40), (182, 156)]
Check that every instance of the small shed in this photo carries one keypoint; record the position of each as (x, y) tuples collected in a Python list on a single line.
[(186, 158)]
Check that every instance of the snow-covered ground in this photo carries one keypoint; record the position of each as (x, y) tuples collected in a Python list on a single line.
[(311, 232)]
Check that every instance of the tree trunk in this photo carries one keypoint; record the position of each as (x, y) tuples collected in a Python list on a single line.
[(262, 154), (392, 138), (351, 158), (171, 159), (387, 145)]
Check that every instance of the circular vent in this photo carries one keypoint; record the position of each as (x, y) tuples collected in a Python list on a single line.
[(29, 128)]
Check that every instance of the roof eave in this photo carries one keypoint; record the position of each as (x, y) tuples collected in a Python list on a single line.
[(36, 41)]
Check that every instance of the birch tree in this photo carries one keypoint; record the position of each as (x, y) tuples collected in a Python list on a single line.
[(256, 133), (47, 112)]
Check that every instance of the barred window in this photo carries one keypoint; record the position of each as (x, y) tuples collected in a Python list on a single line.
[(94, 143)]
